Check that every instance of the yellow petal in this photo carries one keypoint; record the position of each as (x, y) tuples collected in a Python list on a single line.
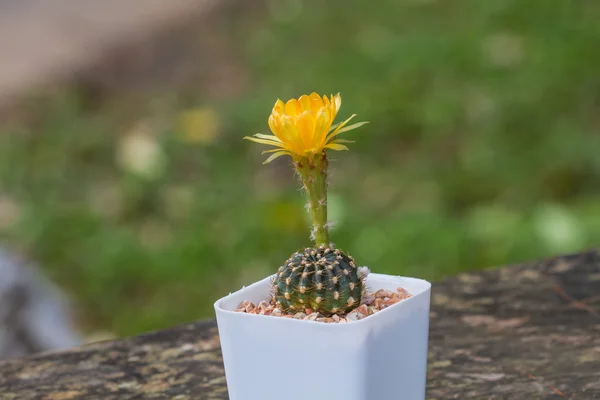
[(306, 128), (275, 125), (263, 141), (274, 150), (275, 155), (316, 102), (337, 100), (332, 127), (268, 137), (305, 102), (339, 141), (340, 126), (348, 128), (292, 107), (322, 126), (290, 134), (279, 106), (334, 146)]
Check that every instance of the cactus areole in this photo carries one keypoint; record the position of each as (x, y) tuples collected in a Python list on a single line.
[(322, 277)]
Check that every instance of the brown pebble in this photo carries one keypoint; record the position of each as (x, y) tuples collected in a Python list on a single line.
[(383, 293), (368, 299), (389, 302), (308, 311), (362, 309), (264, 305), (336, 318), (246, 305), (299, 315), (312, 317), (353, 316)]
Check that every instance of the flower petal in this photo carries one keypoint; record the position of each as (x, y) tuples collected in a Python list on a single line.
[(269, 137), (275, 155), (321, 127), (335, 146), (342, 141), (275, 125), (340, 126), (326, 102), (353, 126), (263, 141), (337, 100), (291, 135), (306, 128), (316, 102), (292, 107), (278, 107), (350, 127), (305, 102), (273, 150), (334, 126)]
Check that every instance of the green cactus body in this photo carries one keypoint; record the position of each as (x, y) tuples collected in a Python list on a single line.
[(324, 279)]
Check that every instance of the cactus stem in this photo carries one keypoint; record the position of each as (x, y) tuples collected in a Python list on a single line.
[(314, 178)]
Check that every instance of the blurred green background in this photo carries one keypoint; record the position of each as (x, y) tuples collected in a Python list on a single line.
[(482, 150)]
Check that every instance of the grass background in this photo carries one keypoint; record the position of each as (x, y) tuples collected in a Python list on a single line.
[(482, 150)]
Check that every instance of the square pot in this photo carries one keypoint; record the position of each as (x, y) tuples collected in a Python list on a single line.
[(382, 356)]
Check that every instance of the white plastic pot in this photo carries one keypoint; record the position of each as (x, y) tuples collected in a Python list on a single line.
[(383, 356)]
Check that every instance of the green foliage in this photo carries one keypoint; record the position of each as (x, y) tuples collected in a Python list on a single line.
[(482, 149), (322, 278)]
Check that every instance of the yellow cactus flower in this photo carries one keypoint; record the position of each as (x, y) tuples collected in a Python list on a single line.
[(304, 127)]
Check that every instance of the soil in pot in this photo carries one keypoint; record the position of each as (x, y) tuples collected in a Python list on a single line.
[(371, 304)]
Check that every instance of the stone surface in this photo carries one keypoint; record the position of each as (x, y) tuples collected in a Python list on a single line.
[(519, 332)]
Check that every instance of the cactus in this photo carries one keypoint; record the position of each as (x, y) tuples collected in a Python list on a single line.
[(321, 277)]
